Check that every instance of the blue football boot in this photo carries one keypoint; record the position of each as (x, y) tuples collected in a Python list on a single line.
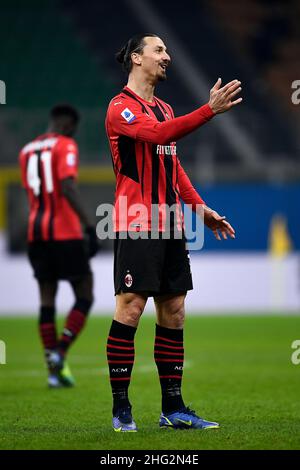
[(185, 419), (123, 422)]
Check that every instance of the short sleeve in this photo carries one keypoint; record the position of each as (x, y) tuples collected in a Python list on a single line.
[(67, 159)]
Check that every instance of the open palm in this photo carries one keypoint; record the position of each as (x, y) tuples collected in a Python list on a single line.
[(218, 224)]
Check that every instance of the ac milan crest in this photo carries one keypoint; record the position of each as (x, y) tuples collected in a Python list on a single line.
[(128, 280)]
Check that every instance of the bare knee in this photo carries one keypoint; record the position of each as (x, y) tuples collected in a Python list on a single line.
[(170, 311), (177, 317), (130, 308)]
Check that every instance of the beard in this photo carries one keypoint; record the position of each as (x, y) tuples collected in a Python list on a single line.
[(162, 77)]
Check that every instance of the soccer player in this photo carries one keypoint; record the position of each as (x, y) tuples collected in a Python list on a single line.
[(56, 246), (142, 133)]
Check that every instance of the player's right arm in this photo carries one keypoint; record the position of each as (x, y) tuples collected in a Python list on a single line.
[(67, 170), (70, 191), (126, 117)]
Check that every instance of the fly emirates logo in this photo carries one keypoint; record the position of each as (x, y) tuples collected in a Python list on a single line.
[(166, 149)]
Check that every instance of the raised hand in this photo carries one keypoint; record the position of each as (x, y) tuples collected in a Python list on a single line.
[(222, 99)]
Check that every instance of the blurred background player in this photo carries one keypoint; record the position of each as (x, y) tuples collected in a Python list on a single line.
[(142, 132), (56, 245)]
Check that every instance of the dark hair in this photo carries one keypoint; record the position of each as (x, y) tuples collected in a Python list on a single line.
[(134, 44), (65, 110)]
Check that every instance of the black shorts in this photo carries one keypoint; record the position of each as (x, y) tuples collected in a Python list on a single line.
[(156, 267), (54, 260)]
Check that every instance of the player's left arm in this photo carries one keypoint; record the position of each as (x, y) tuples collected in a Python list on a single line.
[(71, 193), (212, 219)]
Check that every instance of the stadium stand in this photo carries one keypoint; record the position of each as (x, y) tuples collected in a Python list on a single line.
[(41, 38), (45, 61), (260, 117), (267, 34)]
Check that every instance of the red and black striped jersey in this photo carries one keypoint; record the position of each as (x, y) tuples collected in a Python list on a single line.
[(142, 138), (44, 162)]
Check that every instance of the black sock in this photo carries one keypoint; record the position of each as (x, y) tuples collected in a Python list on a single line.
[(47, 327), (169, 357), (120, 358)]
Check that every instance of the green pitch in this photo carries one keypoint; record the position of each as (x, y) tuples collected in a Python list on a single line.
[(238, 372)]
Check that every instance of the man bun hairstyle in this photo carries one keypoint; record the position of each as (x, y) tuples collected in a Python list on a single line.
[(134, 44), (65, 109)]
